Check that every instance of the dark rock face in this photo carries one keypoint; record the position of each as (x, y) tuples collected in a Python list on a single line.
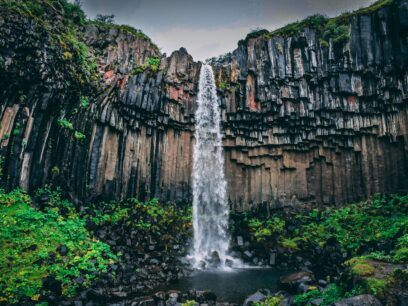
[(303, 122), (316, 124)]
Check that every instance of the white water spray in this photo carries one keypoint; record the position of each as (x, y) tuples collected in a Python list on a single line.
[(210, 206)]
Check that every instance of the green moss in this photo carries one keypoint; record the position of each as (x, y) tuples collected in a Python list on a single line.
[(271, 301), (290, 244), (189, 303), (79, 136), (264, 230), (376, 286), (126, 28), (373, 7), (55, 170), (152, 64), (304, 298), (162, 222), (360, 266), (29, 241), (355, 228), (329, 295), (222, 85), (64, 123), (84, 102)]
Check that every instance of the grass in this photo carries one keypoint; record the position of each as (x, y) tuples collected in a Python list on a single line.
[(30, 241)]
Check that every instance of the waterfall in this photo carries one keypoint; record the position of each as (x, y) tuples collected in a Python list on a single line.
[(210, 206)]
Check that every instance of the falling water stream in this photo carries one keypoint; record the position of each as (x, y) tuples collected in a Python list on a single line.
[(216, 270), (210, 206)]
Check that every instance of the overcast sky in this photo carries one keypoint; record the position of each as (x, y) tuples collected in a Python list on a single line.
[(208, 28)]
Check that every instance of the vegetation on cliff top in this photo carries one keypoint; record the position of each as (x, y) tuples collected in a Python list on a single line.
[(336, 28), (64, 22)]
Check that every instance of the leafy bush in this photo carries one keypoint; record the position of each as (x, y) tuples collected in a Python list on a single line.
[(64, 123), (270, 301), (400, 253), (30, 241), (264, 230), (152, 64), (304, 298), (329, 295), (355, 228), (189, 303), (161, 221), (79, 136), (84, 101)]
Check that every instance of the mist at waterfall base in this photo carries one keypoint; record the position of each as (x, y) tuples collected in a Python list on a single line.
[(210, 206)]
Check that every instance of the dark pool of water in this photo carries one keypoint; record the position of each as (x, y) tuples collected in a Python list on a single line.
[(232, 286)]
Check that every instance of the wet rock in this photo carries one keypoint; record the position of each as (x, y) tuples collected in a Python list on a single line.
[(248, 254), (229, 263), (215, 259), (291, 282), (62, 250), (272, 258), (207, 297), (254, 298), (240, 240), (316, 302), (360, 300)]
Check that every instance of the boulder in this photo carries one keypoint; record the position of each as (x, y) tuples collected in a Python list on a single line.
[(293, 281), (254, 298), (360, 300)]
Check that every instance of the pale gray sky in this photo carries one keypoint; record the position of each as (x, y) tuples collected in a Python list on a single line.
[(208, 28)]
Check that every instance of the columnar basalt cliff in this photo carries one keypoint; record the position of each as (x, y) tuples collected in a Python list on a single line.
[(138, 124), (307, 117), (313, 118)]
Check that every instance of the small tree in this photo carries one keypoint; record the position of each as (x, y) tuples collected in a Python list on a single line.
[(110, 19)]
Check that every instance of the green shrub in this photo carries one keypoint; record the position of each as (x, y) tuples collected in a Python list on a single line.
[(304, 298), (64, 123), (30, 240), (84, 101), (189, 303), (401, 251), (160, 221), (152, 64), (79, 136), (271, 301), (331, 294)]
